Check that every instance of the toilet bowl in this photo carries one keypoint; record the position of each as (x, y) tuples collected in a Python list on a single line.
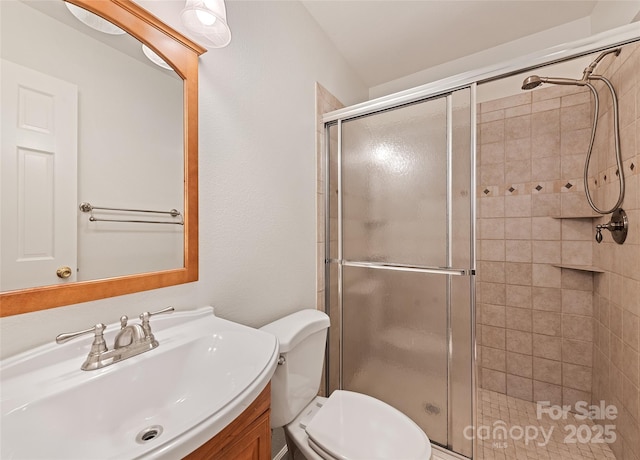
[(346, 425)]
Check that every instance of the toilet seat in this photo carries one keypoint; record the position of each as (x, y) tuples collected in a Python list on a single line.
[(352, 426)]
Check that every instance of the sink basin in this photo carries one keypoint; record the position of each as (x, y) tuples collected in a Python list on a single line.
[(164, 403)]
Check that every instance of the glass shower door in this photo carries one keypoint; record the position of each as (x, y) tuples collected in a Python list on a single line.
[(403, 179)]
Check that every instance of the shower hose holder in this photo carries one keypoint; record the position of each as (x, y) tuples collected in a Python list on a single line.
[(618, 226)]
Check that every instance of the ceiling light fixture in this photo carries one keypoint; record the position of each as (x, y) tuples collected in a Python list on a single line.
[(153, 57), (208, 18), (93, 20)]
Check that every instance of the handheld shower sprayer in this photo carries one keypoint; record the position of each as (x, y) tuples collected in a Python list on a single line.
[(534, 81)]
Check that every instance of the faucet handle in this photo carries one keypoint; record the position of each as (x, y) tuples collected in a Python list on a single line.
[(98, 346), (144, 317), (618, 226), (123, 321)]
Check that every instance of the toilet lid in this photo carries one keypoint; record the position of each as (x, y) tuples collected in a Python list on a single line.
[(352, 426)]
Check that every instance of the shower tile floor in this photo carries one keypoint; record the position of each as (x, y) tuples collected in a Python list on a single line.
[(495, 408)]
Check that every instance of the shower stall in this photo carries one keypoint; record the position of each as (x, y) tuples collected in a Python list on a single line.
[(400, 259), (556, 312)]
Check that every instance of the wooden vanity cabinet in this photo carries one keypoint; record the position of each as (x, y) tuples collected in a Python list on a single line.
[(248, 437)]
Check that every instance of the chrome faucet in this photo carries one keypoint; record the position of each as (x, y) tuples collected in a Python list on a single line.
[(129, 334), (131, 340)]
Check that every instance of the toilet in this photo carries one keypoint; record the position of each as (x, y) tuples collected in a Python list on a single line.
[(346, 425)]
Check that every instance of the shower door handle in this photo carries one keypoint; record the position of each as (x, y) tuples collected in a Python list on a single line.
[(409, 268)]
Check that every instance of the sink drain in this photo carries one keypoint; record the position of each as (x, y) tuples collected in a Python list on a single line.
[(148, 434)]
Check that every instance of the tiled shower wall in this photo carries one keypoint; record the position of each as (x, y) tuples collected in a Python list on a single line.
[(616, 298), (327, 102), (535, 318), (546, 332)]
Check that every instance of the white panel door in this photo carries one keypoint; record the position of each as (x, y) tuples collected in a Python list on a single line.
[(38, 171)]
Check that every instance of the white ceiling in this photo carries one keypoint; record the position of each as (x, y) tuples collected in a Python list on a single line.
[(387, 39)]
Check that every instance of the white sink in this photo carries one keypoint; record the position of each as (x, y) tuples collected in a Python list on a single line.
[(205, 372)]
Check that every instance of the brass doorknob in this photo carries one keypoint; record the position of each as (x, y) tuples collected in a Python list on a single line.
[(63, 272)]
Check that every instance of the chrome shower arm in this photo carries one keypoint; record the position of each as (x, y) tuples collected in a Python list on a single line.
[(591, 67)]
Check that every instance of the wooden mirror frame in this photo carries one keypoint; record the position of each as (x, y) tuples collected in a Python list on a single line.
[(182, 54)]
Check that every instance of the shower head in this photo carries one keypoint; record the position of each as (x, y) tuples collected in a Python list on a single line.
[(531, 82), (534, 81)]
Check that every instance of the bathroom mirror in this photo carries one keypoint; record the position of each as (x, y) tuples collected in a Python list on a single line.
[(181, 55)]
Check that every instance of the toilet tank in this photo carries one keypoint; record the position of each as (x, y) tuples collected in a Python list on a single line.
[(302, 338)]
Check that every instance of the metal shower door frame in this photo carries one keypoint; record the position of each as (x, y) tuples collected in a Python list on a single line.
[(455, 434)]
